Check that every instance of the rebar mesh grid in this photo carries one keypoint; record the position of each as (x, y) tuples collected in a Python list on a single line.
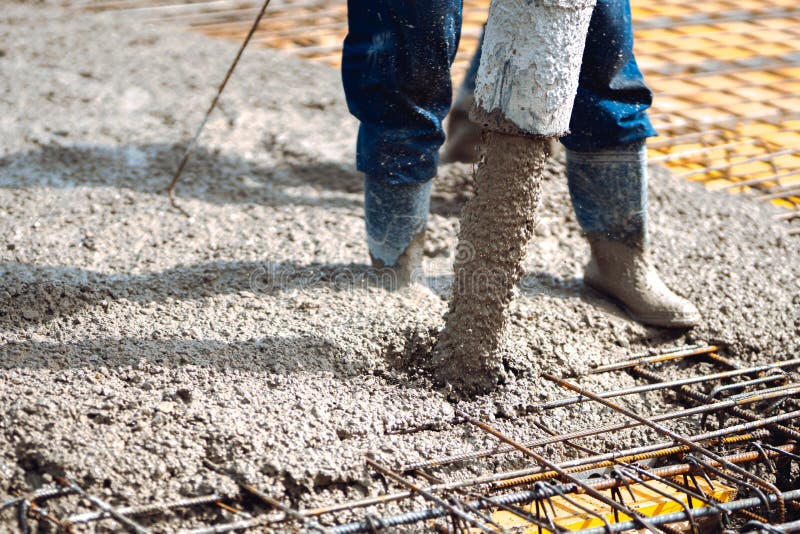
[(740, 468)]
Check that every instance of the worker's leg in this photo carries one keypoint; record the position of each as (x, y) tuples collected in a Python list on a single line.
[(396, 74), (611, 103), (607, 171)]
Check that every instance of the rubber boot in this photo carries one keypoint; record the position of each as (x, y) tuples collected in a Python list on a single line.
[(608, 189), (463, 135), (395, 217)]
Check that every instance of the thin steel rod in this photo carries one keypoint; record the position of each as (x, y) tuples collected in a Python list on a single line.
[(147, 509), (128, 523), (30, 508), (785, 193), (788, 216), (645, 452), (687, 138), (693, 96), (637, 454), (704, 399), (243, 524), (747, 383), (775, 119), (199, 20), (717, 18), (638, 518), (764, 391), (620, 475), (288, 512), (530, 496), (43, 493), (416, 488), (664, 357), (655, 352), (673, 156), (759, 526), (629, 472), (765, 35), (192, 144), (769, 63), (664, 384), (728, 165), (674, 517), (757, 181)]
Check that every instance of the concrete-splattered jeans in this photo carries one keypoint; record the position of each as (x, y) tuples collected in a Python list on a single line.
[(396, 74)]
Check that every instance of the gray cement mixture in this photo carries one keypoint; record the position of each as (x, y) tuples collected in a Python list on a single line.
[(145, 353)]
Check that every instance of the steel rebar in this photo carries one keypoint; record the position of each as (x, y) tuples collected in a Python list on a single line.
[(126, 522), (530, 496), (638, 518), (663, 383), (741, 504), (751, 397), (674, 435), (146, 509), (193, 142), (664, 357), (416, 488), (697, 396)]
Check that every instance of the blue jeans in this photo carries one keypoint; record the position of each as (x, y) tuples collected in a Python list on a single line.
[(396, 74)]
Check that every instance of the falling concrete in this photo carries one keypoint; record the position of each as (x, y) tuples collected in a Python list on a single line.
[(496, 225)]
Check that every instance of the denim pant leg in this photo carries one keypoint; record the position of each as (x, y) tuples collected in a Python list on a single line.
[(611, 104), (396, 74)]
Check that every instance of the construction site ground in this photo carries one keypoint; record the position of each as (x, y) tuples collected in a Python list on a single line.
[(144, 352)]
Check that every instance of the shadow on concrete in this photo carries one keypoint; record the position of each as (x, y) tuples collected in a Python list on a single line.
[(275, 354), (211, 176), (32, 293)]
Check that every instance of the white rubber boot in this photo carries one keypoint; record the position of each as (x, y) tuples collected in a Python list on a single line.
[(628, 275), (463, 135), (608, 189)]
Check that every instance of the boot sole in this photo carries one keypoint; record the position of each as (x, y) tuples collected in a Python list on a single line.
[(676, 322)]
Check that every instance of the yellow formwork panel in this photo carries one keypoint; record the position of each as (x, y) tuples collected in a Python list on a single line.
[(782, 139), (650, 500), (667, 86), (718, 82)]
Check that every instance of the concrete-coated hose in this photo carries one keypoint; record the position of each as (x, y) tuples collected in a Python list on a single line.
[(531, 59)]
